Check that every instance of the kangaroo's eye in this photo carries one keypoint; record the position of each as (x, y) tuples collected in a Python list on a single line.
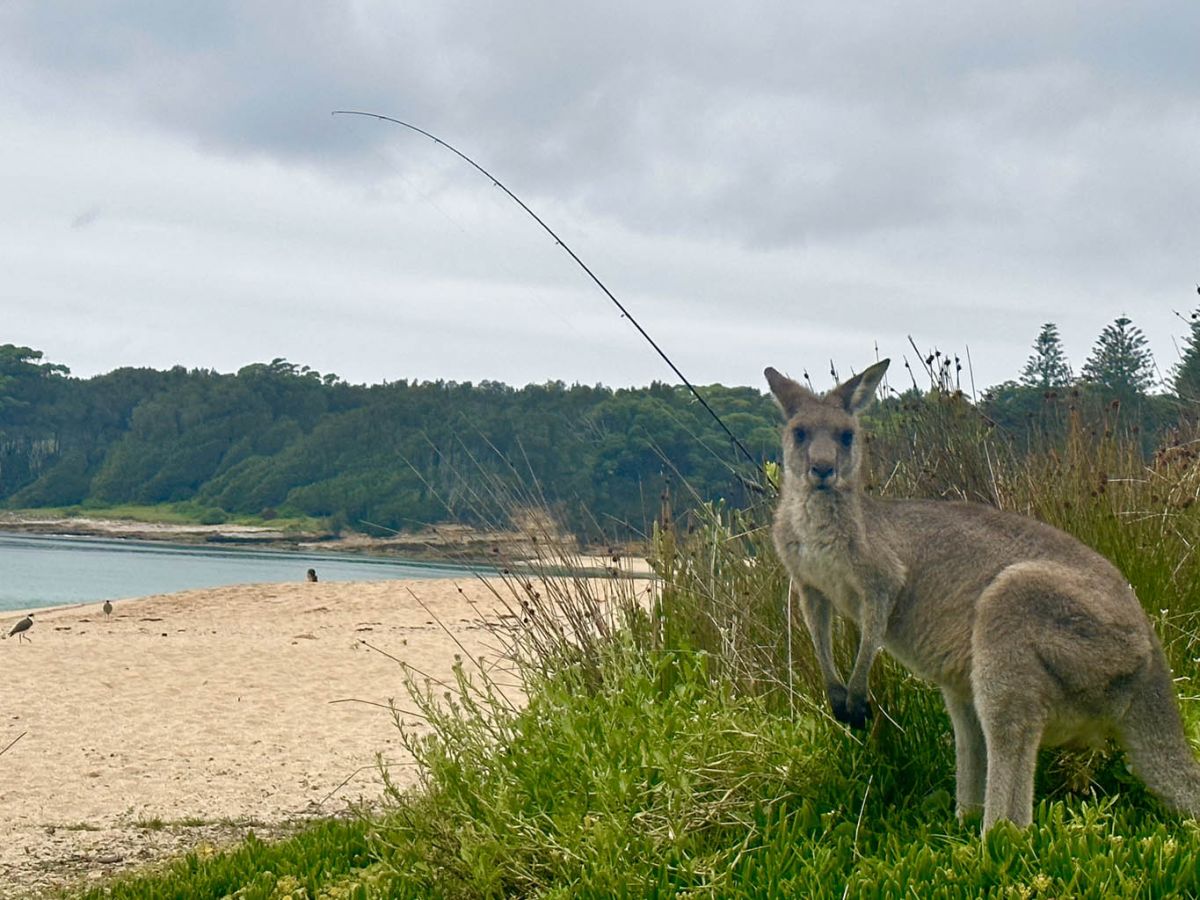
[(800, 435), (847, 438)]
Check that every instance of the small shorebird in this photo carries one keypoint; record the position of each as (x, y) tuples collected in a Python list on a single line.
[(21, 627), (107, 607), (311, 574)]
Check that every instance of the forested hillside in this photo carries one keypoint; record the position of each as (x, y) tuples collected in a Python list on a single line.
[(280, 439)]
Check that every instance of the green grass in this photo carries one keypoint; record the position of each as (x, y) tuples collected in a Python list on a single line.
[(652, 777), (662, 780), (683, 746), (330, 859)]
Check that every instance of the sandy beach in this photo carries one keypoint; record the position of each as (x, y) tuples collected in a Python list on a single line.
[(188, 718)]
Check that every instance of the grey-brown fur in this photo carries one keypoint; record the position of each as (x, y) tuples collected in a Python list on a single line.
[(1033, 638)]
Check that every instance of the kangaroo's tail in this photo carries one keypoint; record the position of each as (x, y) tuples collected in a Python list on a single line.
[(1153, 736)]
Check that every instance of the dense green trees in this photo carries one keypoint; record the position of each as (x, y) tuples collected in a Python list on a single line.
[(1112, 391), (277, 438)]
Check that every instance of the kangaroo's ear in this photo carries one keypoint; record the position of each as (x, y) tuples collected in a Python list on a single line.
[(853, 395), (790, 395)]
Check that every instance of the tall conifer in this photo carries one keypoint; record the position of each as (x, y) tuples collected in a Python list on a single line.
[(1185, 376), (1047, 367), (1121, 361)]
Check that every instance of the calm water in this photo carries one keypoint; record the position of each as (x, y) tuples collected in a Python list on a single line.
[(41, 570)]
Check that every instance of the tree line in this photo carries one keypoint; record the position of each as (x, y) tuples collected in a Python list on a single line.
[(276, 439), (1116, 384), (279, 439)]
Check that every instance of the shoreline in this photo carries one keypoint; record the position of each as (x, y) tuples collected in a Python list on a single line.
[(132, 529), (450, 542)]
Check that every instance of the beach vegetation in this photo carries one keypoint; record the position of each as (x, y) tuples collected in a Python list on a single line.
[(327, 859)]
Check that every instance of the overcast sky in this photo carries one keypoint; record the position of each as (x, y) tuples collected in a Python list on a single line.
[(760, 183)]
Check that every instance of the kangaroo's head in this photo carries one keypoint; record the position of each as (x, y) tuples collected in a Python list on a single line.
[(821, 450)]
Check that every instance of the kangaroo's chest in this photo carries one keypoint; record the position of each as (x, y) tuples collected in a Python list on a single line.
[(832, 569)]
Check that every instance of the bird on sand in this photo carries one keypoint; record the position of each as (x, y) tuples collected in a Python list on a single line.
[(311, 574), (21, 627), (107, 607)]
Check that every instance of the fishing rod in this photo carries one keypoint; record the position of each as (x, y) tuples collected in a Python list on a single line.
[(592, 275)]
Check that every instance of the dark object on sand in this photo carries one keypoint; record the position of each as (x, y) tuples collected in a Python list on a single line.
[(312, 574), (107, 607)]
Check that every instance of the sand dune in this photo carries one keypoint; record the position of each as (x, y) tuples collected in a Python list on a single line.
[(206, 710)]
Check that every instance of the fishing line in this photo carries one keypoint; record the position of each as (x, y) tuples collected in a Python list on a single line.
[(592, 275), (533, 295)]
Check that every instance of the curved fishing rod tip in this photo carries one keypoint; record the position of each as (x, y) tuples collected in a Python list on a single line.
[(624, 313)]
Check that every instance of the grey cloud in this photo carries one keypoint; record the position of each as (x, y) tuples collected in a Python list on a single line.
[(1027, 152), (86, 217), (569, 80)]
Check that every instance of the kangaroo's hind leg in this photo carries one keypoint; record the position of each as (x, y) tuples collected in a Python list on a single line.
[(1013, 693), (1012, 713), (1012, 730), (1053, 650)]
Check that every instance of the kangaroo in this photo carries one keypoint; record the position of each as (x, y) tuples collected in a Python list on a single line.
[(1033, 638)]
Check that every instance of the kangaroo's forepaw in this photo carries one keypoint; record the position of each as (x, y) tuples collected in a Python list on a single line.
[(854, 711), (837, 700)]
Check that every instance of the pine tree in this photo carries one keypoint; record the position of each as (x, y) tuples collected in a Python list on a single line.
[(1047, 367), (1121, 361), (1185, 376)]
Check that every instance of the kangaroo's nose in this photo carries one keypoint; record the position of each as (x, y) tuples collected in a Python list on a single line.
[(821, 471)]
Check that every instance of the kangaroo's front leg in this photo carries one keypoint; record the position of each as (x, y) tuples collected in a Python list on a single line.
[(818, 617), (872, 625)]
